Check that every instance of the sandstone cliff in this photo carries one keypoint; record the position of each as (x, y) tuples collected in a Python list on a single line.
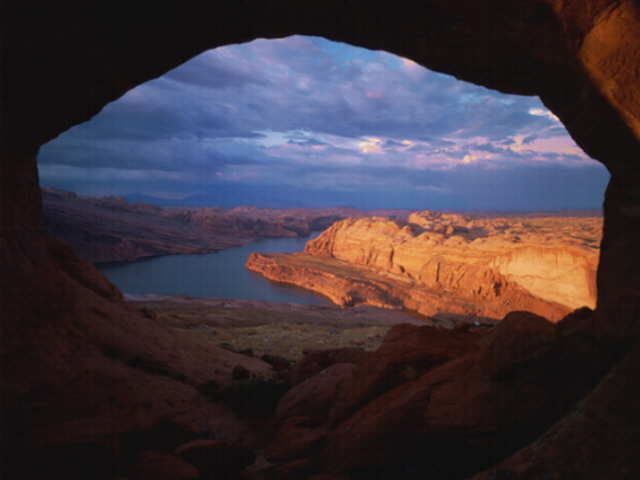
[(449, 266)]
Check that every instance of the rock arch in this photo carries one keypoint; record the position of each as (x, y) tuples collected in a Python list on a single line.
[(63, 61)]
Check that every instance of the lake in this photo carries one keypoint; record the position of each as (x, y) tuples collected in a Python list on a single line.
[(213, 275)]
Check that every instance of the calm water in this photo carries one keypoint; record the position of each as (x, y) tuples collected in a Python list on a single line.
[(215, 275)]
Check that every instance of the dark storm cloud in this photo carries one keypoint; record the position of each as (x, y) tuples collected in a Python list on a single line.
[(489, 147), (305, 112), (389, 143), (213, 72), (306, 142)]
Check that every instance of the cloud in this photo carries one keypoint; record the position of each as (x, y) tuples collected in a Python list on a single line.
[(543, 112), (214, 70), (371, 145), (310, 112), (475, 156)]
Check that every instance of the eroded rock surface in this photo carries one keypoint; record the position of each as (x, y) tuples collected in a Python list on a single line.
[(88, 372), (428, 398), (112, 229), (449, 266)]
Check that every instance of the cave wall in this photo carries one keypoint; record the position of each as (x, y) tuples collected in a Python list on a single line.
[(63, 61)]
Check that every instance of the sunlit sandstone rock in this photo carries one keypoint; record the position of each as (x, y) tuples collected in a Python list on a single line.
[(543, 264)]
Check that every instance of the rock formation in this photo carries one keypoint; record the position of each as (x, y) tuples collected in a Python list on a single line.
[(63, 61), (448, 265), (112, 229), (428, 398)]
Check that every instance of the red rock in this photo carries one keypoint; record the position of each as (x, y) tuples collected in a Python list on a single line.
[(599, 440), (278, 363), (478, 407), (240, 373), (314, 397), (315, 361), (297, 437), (520, 336), (407, 352), (295, 470), (581, 320), (163, 466), (483, 272), (323, 476), (215, 456)]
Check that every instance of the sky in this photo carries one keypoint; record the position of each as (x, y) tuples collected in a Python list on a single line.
[(306, 122)]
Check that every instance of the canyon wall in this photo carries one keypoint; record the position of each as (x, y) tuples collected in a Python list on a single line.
[(445, 263), (111, 229)]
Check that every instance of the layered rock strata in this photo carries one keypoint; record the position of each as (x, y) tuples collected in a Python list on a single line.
[(112, 229), (449, 266)]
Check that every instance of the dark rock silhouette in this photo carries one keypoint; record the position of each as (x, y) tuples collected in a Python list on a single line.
[(428, 398)]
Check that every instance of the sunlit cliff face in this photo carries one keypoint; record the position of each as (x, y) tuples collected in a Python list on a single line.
[(307, 120)]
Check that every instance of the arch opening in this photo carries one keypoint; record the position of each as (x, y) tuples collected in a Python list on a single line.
[(303, 122), (318, 114)]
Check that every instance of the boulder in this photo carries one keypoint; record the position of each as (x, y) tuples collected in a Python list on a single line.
[(406, 353), (480, 406), (519, 337), (297, 437), (314, 397), (315, 361)]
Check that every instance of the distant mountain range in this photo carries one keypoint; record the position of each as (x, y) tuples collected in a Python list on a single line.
[(268, 198), (229, 196)]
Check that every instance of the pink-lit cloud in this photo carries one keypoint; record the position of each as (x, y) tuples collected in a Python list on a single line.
[(371, 145)]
